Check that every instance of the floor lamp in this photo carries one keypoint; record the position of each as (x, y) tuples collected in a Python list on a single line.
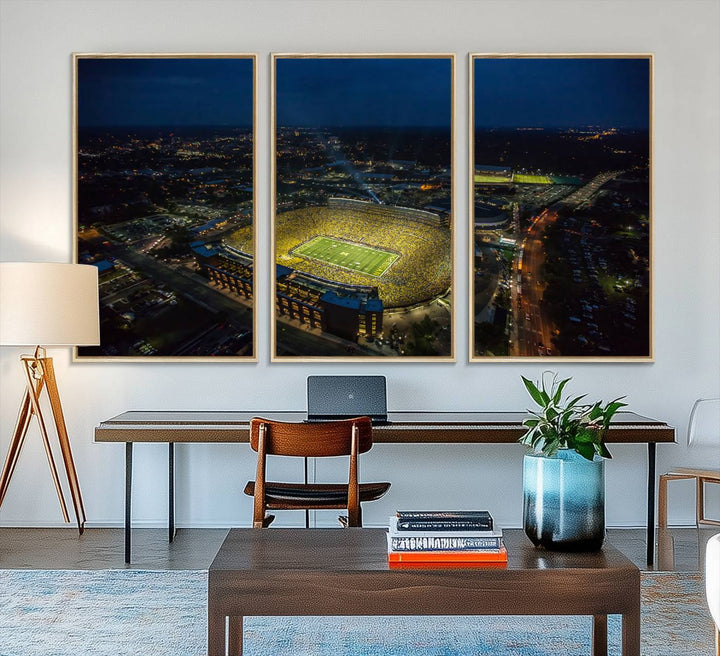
[(46, 304)]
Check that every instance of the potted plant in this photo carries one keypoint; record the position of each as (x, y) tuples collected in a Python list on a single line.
[(564, 468)]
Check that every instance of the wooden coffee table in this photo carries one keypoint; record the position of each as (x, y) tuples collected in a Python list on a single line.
[(345, 572)]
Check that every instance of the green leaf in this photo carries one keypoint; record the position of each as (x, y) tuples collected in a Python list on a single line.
[(602, 450), (534, 392), (529, 437), (595, 412), (587, 451), (566, 417), (552, 447), (577, 399), (558, 393), (610, 410), (586, 436)]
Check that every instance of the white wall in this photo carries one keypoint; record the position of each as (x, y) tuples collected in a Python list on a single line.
[(37, 38)]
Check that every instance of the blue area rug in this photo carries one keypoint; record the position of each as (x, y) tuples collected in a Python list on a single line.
[(130, 612)]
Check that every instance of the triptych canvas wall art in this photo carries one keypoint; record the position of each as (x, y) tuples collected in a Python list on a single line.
[(164, 181), (362, 212), (561, 207)]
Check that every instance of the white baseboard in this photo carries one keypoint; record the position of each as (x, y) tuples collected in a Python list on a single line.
[(151, 523)]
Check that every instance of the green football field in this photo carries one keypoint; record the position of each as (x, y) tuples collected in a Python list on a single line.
[(363, 259), (492, 179), (522, 178)]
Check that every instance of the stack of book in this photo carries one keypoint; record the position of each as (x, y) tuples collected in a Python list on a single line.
[(438, 537)]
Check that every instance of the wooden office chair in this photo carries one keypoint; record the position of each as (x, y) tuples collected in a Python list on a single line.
[(349, 437)]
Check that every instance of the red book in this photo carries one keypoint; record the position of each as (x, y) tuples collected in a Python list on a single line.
[(449, 557), (448, 565)]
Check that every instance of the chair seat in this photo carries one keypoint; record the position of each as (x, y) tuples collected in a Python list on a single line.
[(316, 495), (691, 472), (702, 477)]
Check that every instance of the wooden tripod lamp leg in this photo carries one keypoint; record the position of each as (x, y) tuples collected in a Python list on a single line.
[(16, 443), (64, 440), (40, 373), (34, 374)]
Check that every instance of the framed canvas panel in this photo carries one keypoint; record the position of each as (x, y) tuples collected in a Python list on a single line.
[(164, 203), (362, 207), (561, 207)]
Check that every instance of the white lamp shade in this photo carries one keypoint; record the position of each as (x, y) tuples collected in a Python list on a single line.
[(48, 304)]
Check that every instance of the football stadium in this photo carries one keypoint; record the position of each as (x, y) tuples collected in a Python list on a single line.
[(404, 253), (503, 176), (346, 255)]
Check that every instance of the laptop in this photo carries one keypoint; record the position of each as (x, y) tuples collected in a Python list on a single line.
[(330, 398)]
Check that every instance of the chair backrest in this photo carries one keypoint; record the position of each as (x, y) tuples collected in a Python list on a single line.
[(311, 440), (704, 423)]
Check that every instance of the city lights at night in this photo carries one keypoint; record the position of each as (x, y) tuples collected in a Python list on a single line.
[(165, 167), (561, 221), (363, 213)]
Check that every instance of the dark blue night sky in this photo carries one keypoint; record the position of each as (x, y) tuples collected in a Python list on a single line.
[(167, 93), (562, 93), (364, 92)]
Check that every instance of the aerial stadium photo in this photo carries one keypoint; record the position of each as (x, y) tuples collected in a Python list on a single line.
[(165, 171), (346, 255), (560, 182), (362, 207)]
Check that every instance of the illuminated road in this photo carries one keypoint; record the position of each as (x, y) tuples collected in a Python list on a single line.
[(534, 330)]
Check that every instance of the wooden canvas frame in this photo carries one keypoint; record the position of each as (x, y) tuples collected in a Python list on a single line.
[(274, 356), (516, 312), (227, 334)]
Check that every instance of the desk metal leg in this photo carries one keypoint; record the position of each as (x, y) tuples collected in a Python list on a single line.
[(307, 512), (171, 491), (128, 497), (651, 505)]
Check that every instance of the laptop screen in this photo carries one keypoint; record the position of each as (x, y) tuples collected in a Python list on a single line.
[(339, 397)]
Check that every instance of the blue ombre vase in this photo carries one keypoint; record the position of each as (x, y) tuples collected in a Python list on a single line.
[(564, 501)]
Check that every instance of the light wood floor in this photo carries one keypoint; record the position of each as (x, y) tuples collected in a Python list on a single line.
[(680, 549)]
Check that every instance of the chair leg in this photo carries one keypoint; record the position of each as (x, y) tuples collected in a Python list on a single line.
[(662, 501), (354, 517), (665, 550), (699, 501)]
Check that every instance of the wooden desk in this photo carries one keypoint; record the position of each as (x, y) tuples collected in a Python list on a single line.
[(280, 572), (173, 427)]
